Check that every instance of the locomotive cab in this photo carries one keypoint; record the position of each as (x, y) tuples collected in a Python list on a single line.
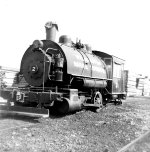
[(115, 90)]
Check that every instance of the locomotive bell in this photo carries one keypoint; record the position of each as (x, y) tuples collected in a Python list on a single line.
[(51, 29), (37, 44)]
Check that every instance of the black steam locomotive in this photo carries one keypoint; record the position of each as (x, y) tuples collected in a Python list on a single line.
[(68, 76)]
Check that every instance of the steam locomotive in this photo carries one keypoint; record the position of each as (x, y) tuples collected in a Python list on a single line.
[(67, 76)]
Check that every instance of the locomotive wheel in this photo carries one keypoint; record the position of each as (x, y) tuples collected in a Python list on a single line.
[(98, 100)]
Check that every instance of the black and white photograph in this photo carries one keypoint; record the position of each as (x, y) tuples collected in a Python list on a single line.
[(74, 76)]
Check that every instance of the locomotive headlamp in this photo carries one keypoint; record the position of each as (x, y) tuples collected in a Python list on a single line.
[(37, 44)]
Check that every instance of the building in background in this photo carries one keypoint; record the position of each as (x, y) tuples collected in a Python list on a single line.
[(136, 84)]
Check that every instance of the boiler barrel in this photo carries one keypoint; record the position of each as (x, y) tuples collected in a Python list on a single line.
[(84, 64), (95, 83)]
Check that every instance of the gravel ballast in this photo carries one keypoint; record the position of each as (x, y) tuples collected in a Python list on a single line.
[(107, 131)]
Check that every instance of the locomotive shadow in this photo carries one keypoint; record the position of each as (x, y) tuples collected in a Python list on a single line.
[(54, 115), (57, 115)]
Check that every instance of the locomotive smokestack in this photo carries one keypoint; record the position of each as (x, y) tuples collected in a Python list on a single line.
[(51, 29)]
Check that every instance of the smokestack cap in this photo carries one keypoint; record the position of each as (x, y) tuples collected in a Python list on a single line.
[(50, 24)]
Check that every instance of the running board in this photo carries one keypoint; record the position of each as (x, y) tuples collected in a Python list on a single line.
[(91, 105)]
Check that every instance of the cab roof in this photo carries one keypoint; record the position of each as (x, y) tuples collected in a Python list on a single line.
[(106, 55)]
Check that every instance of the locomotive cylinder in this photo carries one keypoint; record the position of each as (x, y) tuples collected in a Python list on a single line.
[(70, 104)]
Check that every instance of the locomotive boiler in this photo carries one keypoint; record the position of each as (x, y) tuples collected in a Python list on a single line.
[(64, 76)]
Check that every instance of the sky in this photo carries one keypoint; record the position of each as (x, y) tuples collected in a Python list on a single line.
[(117, 27)]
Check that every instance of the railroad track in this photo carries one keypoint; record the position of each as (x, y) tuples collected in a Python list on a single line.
[(140, 144)]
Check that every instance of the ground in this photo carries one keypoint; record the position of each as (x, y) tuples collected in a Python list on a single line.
[(107, 131)]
